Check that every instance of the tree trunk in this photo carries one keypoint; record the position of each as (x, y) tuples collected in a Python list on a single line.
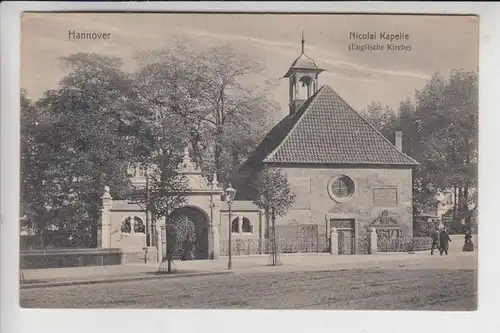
[(235, 157), (218, 153), (466, 207), (455, 196)]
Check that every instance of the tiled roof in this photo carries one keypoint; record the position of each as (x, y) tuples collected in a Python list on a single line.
[(326, 130)]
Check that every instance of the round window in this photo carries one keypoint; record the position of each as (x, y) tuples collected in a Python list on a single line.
[(341, 188)]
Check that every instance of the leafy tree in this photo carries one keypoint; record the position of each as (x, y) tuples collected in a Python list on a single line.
[(275, 198), (383, 118), (36, 161), (440, 131), (202, 91), (448, 114), (274, 191), (82, 142), (165, 191), (168, 185)]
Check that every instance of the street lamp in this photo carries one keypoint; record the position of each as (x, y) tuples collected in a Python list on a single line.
[(230, 193)]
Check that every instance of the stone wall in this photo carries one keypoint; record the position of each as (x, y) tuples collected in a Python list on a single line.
[(376, 190), (39, 259), (255, 220), (120, 210)]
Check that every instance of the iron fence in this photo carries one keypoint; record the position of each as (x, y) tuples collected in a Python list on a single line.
[(404, 244), (362, 245), (240, 247), (298, 245), (352, 245), (283, 245)]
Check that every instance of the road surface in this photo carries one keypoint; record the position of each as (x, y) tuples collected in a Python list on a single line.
[(353, 289)]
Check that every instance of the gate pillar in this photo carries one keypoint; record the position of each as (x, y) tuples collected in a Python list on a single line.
[(106, 219), (334, 242)]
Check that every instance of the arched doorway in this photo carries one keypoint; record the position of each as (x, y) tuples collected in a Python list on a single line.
[(187, 229)]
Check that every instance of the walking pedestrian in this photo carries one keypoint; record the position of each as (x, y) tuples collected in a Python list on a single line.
[(435, 239), (444, 239)]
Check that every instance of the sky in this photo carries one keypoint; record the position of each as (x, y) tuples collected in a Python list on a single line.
[(438, 44)]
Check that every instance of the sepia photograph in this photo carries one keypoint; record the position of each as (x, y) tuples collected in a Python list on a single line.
[(249, 161)]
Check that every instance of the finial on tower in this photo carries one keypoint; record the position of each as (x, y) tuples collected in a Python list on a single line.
[(303, 41)]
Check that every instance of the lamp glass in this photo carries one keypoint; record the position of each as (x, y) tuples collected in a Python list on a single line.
[(230, 193)]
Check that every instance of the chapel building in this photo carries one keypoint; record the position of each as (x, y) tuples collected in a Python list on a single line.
[(344, 173)]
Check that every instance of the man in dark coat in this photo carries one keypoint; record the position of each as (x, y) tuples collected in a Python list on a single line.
[(435, 239), (444, 238)]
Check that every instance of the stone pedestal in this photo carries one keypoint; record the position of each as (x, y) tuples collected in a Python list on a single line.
[(334, 242), (373, 241)]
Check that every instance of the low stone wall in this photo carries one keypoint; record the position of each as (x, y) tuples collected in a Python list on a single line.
[(58, 258), (139, 256)]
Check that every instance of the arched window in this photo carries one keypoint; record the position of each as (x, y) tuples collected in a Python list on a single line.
[(246, 225), (306, 87), (235, 225), (126, 227), (139, 226)]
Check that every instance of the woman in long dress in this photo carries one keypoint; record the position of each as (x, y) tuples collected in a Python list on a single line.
[(468, 246)]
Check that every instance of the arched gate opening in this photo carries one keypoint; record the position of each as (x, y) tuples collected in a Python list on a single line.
[(187, 229)]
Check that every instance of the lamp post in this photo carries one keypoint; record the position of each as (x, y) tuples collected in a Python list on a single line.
[(229, 197), (275, 248)]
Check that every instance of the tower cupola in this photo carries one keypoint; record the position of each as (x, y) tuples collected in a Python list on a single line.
[(303, 79)]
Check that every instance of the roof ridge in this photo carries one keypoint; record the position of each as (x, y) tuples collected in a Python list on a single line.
[(373, 127), (314, 98)]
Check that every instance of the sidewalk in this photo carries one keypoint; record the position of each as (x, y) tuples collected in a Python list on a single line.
[(38, 278)]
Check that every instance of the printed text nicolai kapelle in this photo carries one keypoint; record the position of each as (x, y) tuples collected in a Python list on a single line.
[(390, 37)]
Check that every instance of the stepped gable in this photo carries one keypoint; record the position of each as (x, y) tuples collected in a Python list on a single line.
[(326, 130)]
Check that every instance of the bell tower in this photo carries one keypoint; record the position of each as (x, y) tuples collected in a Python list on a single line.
[(303, 80)]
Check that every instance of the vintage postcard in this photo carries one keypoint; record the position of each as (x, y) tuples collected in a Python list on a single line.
[(249, 161)]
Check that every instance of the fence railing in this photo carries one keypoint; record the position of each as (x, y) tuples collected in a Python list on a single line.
[(404, 244), (362, 245), (241, 247)]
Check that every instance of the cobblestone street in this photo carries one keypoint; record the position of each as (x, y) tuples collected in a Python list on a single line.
[(402, 287)]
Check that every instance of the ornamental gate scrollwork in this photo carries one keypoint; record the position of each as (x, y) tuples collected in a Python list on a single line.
[(182, 234)]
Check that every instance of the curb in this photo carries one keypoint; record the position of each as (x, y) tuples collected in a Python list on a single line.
[(118, 279)]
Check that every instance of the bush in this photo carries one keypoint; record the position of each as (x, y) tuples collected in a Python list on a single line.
[(422, 227)]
